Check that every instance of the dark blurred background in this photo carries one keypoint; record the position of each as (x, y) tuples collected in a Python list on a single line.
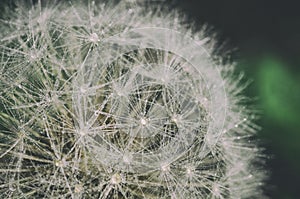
[(265, 36)]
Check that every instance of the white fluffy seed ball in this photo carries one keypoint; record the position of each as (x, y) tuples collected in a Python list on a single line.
[(110, 101)]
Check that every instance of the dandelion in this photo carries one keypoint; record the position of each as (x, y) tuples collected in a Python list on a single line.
[(98, 101)]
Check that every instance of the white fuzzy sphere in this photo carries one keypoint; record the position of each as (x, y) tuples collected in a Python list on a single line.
[(109, 101)]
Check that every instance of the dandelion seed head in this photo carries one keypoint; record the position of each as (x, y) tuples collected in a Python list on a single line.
[(110, 101)]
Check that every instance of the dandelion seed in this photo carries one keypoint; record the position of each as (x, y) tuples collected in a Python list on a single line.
[(165, 167), (61, 163), (143, 121), (127, 158), (94, 38), (116, 179), (78, 188)]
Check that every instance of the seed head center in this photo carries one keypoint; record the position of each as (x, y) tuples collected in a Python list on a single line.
[(116, 179), (143, 121)]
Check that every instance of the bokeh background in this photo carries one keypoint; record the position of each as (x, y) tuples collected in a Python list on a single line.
[(265, 36)]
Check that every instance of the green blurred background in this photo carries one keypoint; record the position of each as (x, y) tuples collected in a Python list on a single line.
[(266, 37)]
